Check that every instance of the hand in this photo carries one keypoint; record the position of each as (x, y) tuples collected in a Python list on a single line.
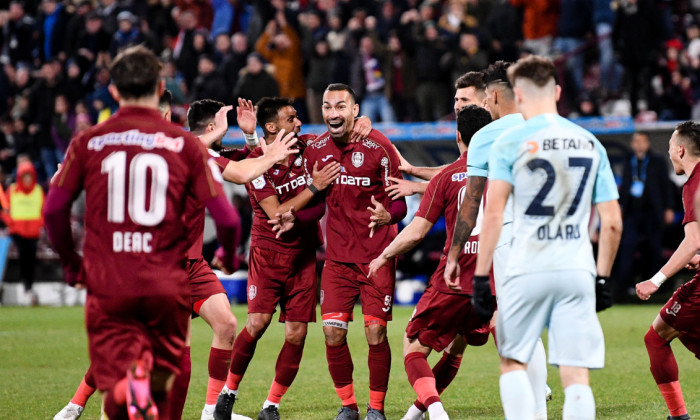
[(379, 216), (482, 299), (603, 295), (245, 116), (325, 177), (404, 166), (400, 188), (220, 127), (74, 277), (279, 149), (271, 28), (361, 129), (219, 265), (55, 174), (693, 263), (645, 289), (451, 274), (376, 264), (283, 222), (669, 216), (222, 262)]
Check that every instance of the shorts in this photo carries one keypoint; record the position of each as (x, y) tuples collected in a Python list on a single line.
[(287, 279), (561, 301), (439, 317), (123, 329), (682, 310), (203, 283), (343, 283)]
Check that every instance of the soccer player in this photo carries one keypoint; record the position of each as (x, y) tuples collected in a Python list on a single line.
[(441, 313), (282, 268), (136, 171), (554, 170), (678, 318), (359, 227), (500, 102)]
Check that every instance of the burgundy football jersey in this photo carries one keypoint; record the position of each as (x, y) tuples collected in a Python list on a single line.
[(689, 189), (285, 182), (366, 166), (137, 172)]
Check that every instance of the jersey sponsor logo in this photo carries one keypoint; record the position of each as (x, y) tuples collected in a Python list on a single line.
[(147, 141), (532, 147), (358, 158), (325, 159), (291, 185), (259, 182), (252, 291), (360, 181), (319, 143), (132, 242), (675, 308), (370, 144), (459, 177), (567, 144)]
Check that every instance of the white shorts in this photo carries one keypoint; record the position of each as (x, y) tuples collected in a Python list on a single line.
[(561, 301)]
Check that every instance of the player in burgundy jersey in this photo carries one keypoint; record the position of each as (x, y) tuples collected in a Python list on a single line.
[(137, 173), (358, 227), (282, 268), (679, 317), (442, 313)]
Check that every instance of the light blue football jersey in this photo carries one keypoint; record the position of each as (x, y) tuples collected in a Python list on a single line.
[(558, 170)]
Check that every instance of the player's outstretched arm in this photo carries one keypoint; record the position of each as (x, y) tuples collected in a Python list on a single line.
[(608, 242), (405, 241), (466, 220), (246, 120), (249, 169), (681, 256), (404, 188)]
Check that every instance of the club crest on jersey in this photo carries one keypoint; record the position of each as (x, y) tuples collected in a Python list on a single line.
[(297, 162), (252, 291), (358, 158), (259, 182)]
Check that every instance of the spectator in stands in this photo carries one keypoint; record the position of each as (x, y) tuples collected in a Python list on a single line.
[(52, 24), (174, 82), (504, 32), (162, 23), (8, 159), (233, 63), (128, 34), (317, 79), (24, 143), (455, 21), (646, 198), (432, 91), (540, 19), (92, 46), (677, 98), (18, 35), (368, 78), (109, 10), (401, 80), (340, 63), (575, 23), (610, 74), (209, 84), (25, 199), (183, 52), (62, 126), (75, 25), (466, 57), (41, 106), (255, 82), (202, 10)]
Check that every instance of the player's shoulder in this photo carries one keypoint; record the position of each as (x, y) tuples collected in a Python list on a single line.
[(319, 143)]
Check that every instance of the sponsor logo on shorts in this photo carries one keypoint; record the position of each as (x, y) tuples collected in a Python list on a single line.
[(259, 182), (358, 158), (674, 309), (252, 291)]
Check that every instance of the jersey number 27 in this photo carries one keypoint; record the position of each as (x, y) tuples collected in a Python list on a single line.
[(536, 208)]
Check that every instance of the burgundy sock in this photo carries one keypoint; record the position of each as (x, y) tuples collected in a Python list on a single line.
[(444, 371), (219, 362), (243, 351), (421, 378), (288, 363), (340, 367), (379, 363), (178, 394), (663, 367)]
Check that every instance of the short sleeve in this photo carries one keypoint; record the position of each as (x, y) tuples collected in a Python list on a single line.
[(260, 188), (220, 161), (501, 161), (478, 157), (432, 205), (72, 173), (605, 188)]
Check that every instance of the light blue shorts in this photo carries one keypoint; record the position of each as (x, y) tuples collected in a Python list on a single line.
[(561, 301)]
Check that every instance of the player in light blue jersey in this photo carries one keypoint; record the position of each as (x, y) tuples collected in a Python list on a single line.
[(555, 170), (501, 104)]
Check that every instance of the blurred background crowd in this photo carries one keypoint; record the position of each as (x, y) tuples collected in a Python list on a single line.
[(615, 57)]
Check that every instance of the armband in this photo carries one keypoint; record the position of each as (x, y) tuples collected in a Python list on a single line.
[(658, 279), (251, 139), (313, 189)]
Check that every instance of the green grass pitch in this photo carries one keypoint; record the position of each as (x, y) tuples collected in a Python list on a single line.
[(43, 357)]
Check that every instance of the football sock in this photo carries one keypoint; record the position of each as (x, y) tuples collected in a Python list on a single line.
[(219, 362), (537, 375), (444, 371), (285, 371), (414, 413), (340, 367), (83, 393), (115, 402), (516, 396), (578, 403), (379, 362), (243, 350), (664, 369), (436, 410), (178, 393), (674, 398), (421, 378)]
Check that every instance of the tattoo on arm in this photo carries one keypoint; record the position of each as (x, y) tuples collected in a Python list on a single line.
[(466, 218)]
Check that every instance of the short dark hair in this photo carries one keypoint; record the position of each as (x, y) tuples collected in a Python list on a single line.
[(689, 131), (471, 119), (471, 79), (497, 73), (201, 113), (166, 99), (268, 107), (539, 70), (336, 87), (135, 72)]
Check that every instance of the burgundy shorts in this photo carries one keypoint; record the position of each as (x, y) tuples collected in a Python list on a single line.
[(682, 310), (343, 283), (287, 279), (123, 329), (439, 317), (203, 283)]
